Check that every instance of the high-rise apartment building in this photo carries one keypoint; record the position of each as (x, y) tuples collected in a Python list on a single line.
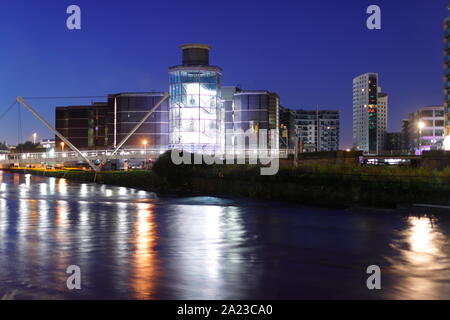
[(318, 130), (382, 119), (370, 114), (426, 129)]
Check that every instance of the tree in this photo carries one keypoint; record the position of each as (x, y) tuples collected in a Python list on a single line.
[(4, 146), (28, 146)]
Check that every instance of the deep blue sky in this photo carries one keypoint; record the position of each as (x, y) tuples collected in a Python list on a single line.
[(306, 51)]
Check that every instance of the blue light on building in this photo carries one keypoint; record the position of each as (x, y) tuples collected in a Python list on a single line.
[(196, 114)]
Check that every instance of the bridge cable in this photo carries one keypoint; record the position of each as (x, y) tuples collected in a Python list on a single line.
[(71, 97), (7, 110), (19, 127)]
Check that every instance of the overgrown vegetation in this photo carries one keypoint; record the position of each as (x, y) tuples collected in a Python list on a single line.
[(4, 146), (325, 185), (328, 185), (29, 146)]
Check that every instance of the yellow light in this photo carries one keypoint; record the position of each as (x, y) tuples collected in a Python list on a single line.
[(421, 125), (447, 143)]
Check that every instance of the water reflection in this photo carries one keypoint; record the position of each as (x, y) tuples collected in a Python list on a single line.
[(130, 244), (206, 250), (62, 186), (422, 265), (84, 190), (17, 179), (28, 180), (43, 189), (4, 221), (145, 267)]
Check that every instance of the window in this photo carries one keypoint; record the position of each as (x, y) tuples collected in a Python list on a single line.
[(439, 123), (426, 113)]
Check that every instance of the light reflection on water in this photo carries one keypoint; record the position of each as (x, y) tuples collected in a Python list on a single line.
[(144, 257), (130, 244), (423, 262)]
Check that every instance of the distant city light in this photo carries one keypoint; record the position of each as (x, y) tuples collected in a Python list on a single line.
[(447, 143)]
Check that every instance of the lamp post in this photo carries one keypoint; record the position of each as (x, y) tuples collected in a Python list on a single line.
[(298, 145), (421, 125), (144, 143)]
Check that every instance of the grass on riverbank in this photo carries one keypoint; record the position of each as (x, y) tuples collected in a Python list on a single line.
[(326, 185)]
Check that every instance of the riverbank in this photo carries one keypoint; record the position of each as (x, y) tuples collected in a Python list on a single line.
[(328, 186), (130, 179)]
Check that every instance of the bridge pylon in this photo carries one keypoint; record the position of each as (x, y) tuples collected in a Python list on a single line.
[(22, 101)]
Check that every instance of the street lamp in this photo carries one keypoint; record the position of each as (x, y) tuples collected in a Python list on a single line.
[(62, 146), (144, 143), (298, 148), (421, 125)]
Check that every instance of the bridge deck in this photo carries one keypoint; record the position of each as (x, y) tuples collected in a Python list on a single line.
[(128, 154)]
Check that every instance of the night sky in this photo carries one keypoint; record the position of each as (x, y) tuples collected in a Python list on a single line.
[(306, 51)]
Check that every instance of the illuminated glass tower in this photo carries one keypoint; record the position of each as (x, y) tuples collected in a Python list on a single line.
[(196, 115), (447, 82)]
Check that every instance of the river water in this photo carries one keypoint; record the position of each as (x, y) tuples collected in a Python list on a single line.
[(132, 244)]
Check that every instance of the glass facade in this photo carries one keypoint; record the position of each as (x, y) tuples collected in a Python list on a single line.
[(103, 125), (84, 126), (127, 110), (255, 111), (195, 110)]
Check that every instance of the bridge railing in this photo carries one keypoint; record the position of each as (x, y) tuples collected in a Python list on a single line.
[(99, 154), (141, 153)]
